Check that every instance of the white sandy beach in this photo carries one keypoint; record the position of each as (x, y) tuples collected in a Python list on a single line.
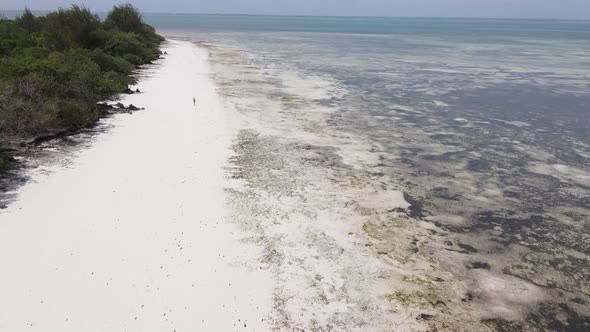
[(131, 235)]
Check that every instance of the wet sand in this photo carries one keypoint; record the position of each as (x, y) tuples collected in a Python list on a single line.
[(391, 228)]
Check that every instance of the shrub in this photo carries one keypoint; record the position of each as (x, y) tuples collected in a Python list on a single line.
[(132, 58), (76, 114), (35, 52), (13, 37), (55, 68), (125, 43), (27, 21), (112, 82), (71, 28), (107, 62)]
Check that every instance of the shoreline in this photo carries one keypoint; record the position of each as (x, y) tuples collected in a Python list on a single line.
[(326, 236), (131, 231), (365, 237), (31, 152)]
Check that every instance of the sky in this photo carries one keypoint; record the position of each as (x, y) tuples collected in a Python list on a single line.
[(576, 9)]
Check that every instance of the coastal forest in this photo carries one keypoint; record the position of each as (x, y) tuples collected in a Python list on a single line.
[(56, 68)]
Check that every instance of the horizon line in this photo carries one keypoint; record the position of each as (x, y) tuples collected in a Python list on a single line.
[(337, 16)]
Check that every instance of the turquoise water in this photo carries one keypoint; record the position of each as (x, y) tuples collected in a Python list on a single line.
[(362, 25)]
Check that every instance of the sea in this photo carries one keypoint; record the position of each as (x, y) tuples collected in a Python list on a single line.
[(484, 124)]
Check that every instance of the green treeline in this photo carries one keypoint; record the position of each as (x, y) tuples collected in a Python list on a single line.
[(55, 68)]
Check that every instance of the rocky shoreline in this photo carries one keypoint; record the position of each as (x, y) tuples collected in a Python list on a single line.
[(23, 153)]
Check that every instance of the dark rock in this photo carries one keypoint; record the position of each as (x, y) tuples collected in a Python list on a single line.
[(104, 109), (104, 106), (425, 317), (48, 137), (578, 300), (468, 297), (416, 207), (467, 247), (438, 303), (479, 265)]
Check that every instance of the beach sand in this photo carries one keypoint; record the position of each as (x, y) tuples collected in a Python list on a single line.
[(252, 210), (131, 234)]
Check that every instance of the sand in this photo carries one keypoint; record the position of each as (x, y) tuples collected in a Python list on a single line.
[(132, 234)]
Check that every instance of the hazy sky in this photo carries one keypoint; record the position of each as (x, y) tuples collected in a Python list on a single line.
[(429, 8)]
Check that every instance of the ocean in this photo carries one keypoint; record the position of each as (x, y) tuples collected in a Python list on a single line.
[(483, 124)]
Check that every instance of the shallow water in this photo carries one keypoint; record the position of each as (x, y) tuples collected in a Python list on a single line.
[(482, 123)]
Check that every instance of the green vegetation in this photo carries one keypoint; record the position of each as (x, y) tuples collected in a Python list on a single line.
[(403, 298), (55, 68), (417, 298), (418, 281), (289, 99)]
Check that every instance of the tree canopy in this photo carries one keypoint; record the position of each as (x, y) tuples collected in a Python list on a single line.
[(55, 68)]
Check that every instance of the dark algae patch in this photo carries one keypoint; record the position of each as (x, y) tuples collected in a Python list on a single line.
[(479, 265), (548, 317)]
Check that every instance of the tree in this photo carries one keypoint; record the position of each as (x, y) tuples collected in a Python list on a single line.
[(125, 18), (27, 20), (71, 28), (55, 68)]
